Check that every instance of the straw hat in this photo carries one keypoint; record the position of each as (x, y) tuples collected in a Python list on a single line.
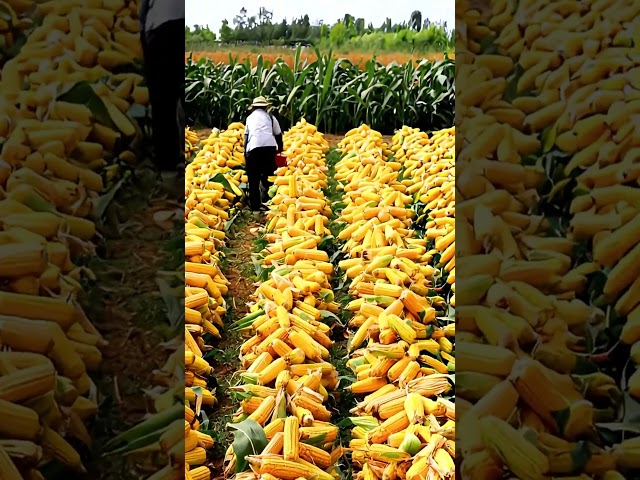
[(259, 102)]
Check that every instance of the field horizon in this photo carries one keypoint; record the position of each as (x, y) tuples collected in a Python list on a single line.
[(270, 54)]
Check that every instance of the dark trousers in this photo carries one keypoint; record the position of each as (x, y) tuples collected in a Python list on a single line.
[(164, 71), (261, 163)]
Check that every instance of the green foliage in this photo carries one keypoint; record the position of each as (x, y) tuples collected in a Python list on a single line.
[(330, 92), (349, 33), (249, 439), (338, 34)]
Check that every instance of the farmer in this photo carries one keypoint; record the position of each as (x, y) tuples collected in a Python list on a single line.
[(161, 24), (262, 140)]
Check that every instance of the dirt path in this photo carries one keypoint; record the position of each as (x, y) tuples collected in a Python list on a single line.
[(238, 269), (127, 308)]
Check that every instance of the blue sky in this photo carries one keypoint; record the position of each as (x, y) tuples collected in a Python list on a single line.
[(212, 12)]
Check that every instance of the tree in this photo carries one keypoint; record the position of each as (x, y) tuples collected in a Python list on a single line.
[(280, 30), (348, 20), (265, 16), (416, 20), (388, 25), (324, 31), (304, 30), (359, 25), (251, 22), (338, 34), (226, 32), (240, 20)]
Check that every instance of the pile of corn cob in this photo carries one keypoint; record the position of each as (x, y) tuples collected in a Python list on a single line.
[(16, 22), (205, 216), (528, 383), (207, 207), (52, 155), (78, 42), (222, 153), (206, 213), (400, 352), (429, 175), (287, 370), (191, 142)]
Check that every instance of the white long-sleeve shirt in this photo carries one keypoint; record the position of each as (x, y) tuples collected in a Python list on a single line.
[(163, 11), (260, 131)]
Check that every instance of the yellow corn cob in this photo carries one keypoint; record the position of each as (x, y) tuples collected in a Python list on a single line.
[(8, 469), (195, 457), (520, 456), (275, 445), (367, 385), (283, 469), (58, 447), (291, 438)]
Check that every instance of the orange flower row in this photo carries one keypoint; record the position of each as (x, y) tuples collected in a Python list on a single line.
[(356, 58)]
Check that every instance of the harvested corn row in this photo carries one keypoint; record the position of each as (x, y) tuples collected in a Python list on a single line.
[(287, 372), (428, 173), (221, 156), (55, 161), (549, 131), (191, 142), (207, 208), (402, 351)]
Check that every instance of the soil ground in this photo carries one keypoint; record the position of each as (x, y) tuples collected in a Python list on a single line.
[(238, 269)]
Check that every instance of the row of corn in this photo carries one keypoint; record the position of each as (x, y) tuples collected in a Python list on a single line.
[(401, 350), (191, 142), (55, 157), (428, 164), (534, 400), (222, 154), (207, 208), (287, 374)]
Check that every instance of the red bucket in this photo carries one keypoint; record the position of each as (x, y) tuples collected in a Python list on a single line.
[(281, 160)]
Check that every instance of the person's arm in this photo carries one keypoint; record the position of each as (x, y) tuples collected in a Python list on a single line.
[(277, 132), (246, 134)]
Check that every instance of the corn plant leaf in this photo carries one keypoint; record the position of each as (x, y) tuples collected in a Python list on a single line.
[(316, 440), (328, 314), (83, 93), (548, 137), (224, 181), (154, 423), (101, 203), (248, 439), (138, 443), (175, 311)]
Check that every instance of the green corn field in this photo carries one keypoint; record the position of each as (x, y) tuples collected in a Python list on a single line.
[(332, 93)]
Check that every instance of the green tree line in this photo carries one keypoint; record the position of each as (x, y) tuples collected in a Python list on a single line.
[(418, 33)]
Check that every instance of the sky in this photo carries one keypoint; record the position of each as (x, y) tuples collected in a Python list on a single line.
[(212, 12)]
